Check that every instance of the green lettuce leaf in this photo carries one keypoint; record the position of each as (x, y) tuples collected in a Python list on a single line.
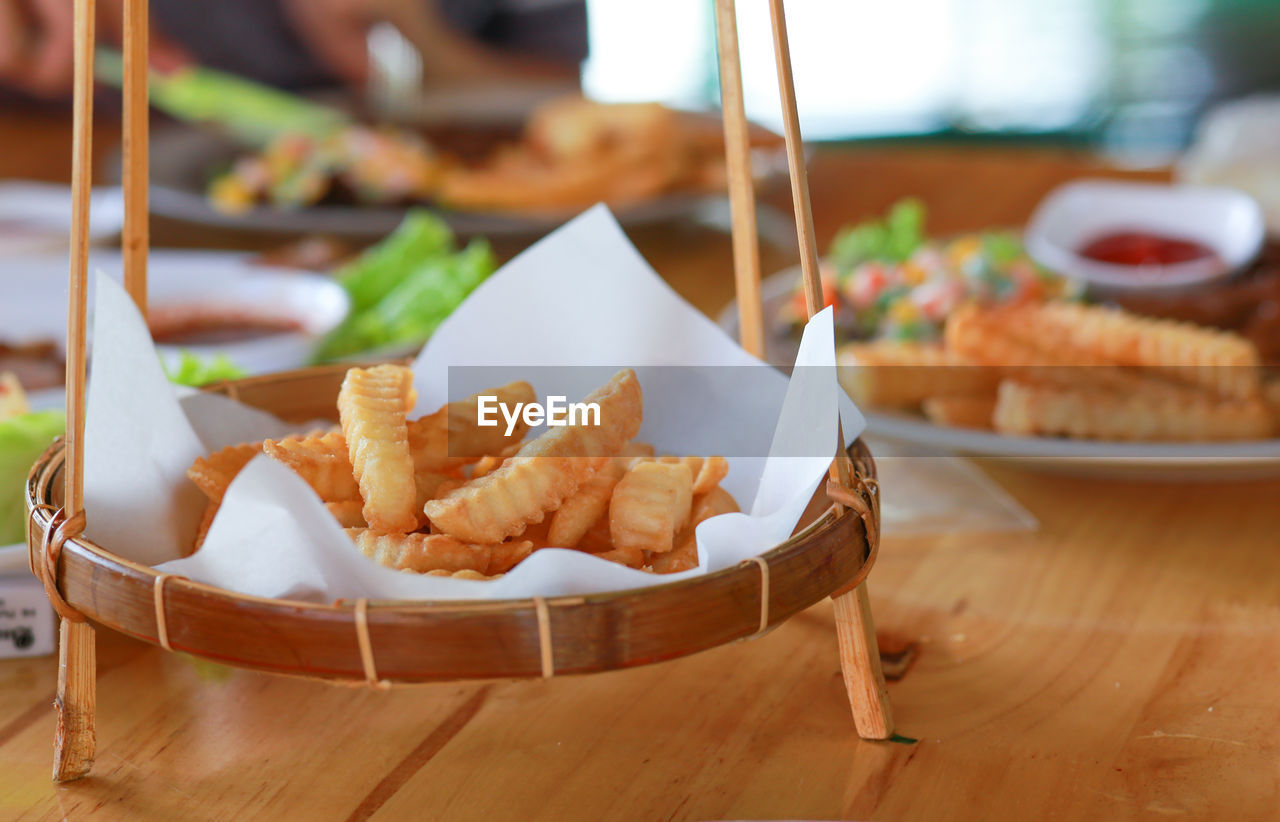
[(22, 439), (892, 240), (368, 279), (196, 372)]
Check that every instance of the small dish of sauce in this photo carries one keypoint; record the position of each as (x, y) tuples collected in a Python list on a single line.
[(198, 327), (1144, 248), (1121, 237)]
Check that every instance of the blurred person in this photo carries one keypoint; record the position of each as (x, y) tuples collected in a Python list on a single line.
[(306, 43)]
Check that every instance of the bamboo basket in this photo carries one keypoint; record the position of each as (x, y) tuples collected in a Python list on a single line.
[(380, 644)]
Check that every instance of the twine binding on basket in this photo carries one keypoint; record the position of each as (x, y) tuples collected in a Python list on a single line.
[(545, 648), (764, 595), (60, 529), (366, 646), (162, 621)]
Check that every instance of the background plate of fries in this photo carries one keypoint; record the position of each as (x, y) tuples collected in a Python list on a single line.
[(1064, 387)]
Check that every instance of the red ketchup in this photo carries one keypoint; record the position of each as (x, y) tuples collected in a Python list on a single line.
[(1143, 248)]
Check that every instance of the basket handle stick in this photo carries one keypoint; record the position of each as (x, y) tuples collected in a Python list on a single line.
[(742, 197), (74, 742), (136, 235), (855, 629)]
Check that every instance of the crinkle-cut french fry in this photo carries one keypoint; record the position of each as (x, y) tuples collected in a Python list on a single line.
[(206, 521), (649, 505), (464, 574), (214, 473), (542, 473), (590, 502), (684, 556), (453, 437), (1219, 361), (894, 374), (984, 335), (597, 539), (321, 459), (630, 557), (961, 411), (437, 552), (1048, 410), (484, 465), (371, 407), (349, 513), (504, 556), (707, 471)]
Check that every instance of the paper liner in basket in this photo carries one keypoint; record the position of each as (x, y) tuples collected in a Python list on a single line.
[(581, 296)]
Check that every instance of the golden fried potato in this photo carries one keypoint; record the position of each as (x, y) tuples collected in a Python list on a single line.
[(684, 556), (649, 505), (371, 406), (1049, 410), (349, 514), (423, 553), (542, 473), (214, 473), (322, 460)]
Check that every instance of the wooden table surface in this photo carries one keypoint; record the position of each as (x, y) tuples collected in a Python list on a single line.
[(1119, 662)]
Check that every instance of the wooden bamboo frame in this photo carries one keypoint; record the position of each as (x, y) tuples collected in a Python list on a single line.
[(383, 644)]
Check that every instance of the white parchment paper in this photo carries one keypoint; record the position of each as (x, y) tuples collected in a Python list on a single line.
[(581, 296)]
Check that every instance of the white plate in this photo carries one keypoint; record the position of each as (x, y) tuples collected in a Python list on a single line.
[(1173, 462), (33, 301), (36, 217)]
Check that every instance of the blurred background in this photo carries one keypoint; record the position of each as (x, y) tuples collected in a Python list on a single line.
[(1127, 76)]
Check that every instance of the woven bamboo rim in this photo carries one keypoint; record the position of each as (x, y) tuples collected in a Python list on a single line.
[(408, 642)]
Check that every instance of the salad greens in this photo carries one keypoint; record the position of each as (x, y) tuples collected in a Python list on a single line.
[(22, 439), (893, 239), (402, 288), (195, 372)]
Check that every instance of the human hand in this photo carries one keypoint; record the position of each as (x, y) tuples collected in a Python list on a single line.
[(37, 39)]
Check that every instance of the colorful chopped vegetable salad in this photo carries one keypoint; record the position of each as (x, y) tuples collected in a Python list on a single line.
[(888, 280)]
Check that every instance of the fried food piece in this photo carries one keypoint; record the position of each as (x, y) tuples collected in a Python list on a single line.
[(649, 505), (707, 471), (1048, 410), (439, 443), (214, 473), (349, 513), (542, 473), (961, 411), (1219, 361), (465, 574), (371, 406), (322, 460), (574, 127), (452, 437), (206, 522), (684, 556), (422, 553), (504, 556), (630, 557), (576, 514), (985, 336), (892, 374)]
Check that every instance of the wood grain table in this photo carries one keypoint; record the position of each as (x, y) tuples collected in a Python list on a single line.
[(1121, 662)]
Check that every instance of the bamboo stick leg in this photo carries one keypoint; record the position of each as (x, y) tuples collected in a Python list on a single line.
[(860, 664), (75, 741)]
